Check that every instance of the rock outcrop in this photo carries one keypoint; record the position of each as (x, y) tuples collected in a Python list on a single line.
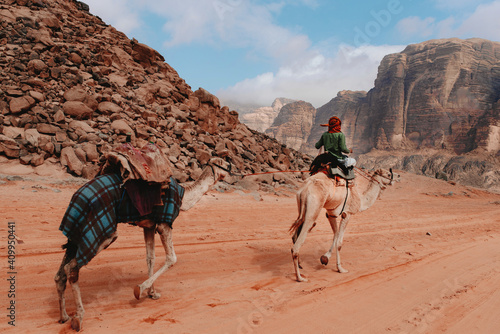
[(72, 86), (293, 124), (437, 94), (262, 118), (345, 103)]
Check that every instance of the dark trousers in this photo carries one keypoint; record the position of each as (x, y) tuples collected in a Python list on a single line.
[(327, 158)]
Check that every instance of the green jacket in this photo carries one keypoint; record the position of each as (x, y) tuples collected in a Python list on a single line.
[(333, 143)]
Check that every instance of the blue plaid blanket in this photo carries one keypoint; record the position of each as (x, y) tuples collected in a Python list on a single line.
[(99, 205)]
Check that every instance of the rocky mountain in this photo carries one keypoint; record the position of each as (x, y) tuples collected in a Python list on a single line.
[(261, 118), (345, 102), (435, 105), (72, 87), (293, 124), (440, 94)]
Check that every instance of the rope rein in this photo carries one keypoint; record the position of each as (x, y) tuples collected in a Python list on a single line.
[(359, 171)]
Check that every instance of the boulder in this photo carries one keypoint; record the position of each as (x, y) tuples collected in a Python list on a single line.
[(32, 136), (21, 104), (36, 66), (47, 128), (108, 108), (76, 94), (205, 97), (9, 147), (37, 160), (77, 109), (202, 156), (120, 126), (70, 160), (81, 125), (91, 152)]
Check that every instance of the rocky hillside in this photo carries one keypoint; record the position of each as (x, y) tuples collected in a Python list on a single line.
[(72, 87), (293, 124)]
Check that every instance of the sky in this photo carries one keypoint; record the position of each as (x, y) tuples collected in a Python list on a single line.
[(253, 51)]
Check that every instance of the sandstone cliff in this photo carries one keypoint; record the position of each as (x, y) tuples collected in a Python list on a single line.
[(293, 124), (436, 94), (72, 87), (345, 103), (260, 119), (434, 108)]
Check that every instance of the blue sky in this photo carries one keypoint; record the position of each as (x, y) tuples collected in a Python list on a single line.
[(253, 51)]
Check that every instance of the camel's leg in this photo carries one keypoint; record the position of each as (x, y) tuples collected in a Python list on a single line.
[(165, 233), (149, 238), (294, 238), (72, 271), (340, 239), (335, 226), (61, 279), (309, 219)]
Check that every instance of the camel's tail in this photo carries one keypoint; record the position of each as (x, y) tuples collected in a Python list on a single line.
[(296, 226)]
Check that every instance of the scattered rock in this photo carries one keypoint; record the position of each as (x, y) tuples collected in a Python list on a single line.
[(75, 88)]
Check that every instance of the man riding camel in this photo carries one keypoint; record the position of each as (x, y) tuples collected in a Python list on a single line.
[(334, 144)]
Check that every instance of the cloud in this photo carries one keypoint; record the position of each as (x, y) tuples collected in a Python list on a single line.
[(118, 13), (483, 22), (415, 26), (314, 78), (455, 4)]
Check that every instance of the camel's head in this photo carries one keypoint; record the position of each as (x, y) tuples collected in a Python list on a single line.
[(386, 177), (221, 168)]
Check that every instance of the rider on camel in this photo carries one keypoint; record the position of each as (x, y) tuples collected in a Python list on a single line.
[(334, 143)]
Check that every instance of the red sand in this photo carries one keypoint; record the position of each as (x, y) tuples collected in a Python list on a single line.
[(424, 259)]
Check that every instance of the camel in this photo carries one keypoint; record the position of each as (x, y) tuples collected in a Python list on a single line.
[(320, 191), (217, 170)]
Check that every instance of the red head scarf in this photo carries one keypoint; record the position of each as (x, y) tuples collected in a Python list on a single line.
[(333, 125)]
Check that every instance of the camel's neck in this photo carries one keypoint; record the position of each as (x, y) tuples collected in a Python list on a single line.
[(369, 195), (194, 191)]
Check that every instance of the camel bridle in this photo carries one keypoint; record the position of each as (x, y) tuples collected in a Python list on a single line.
[(228, 170), (372, 179)]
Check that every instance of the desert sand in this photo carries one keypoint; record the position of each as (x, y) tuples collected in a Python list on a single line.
[(424, 259)]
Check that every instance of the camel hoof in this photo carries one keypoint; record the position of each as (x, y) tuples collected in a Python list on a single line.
[(342, 270), (302, 279), (137, 292), (324, 260), (76, 324), (63, 319), (154, 295)]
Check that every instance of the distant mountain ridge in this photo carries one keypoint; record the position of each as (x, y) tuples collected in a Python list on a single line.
[(437, 99), (260, 118), (439, 94)]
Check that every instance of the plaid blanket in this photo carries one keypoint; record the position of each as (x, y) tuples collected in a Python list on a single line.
[(99, 205)]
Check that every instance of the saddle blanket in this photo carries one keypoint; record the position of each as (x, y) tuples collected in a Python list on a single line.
[(98, 206)]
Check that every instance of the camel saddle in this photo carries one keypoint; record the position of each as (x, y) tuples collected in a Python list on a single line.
[(146, 173), (337, 171), (332, 167), (148, 164)]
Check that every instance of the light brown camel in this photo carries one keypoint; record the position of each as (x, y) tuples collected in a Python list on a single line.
[(217, 170), (320, 192)]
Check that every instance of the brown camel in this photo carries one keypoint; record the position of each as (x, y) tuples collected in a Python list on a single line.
[(320, 191), (217, 170)]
